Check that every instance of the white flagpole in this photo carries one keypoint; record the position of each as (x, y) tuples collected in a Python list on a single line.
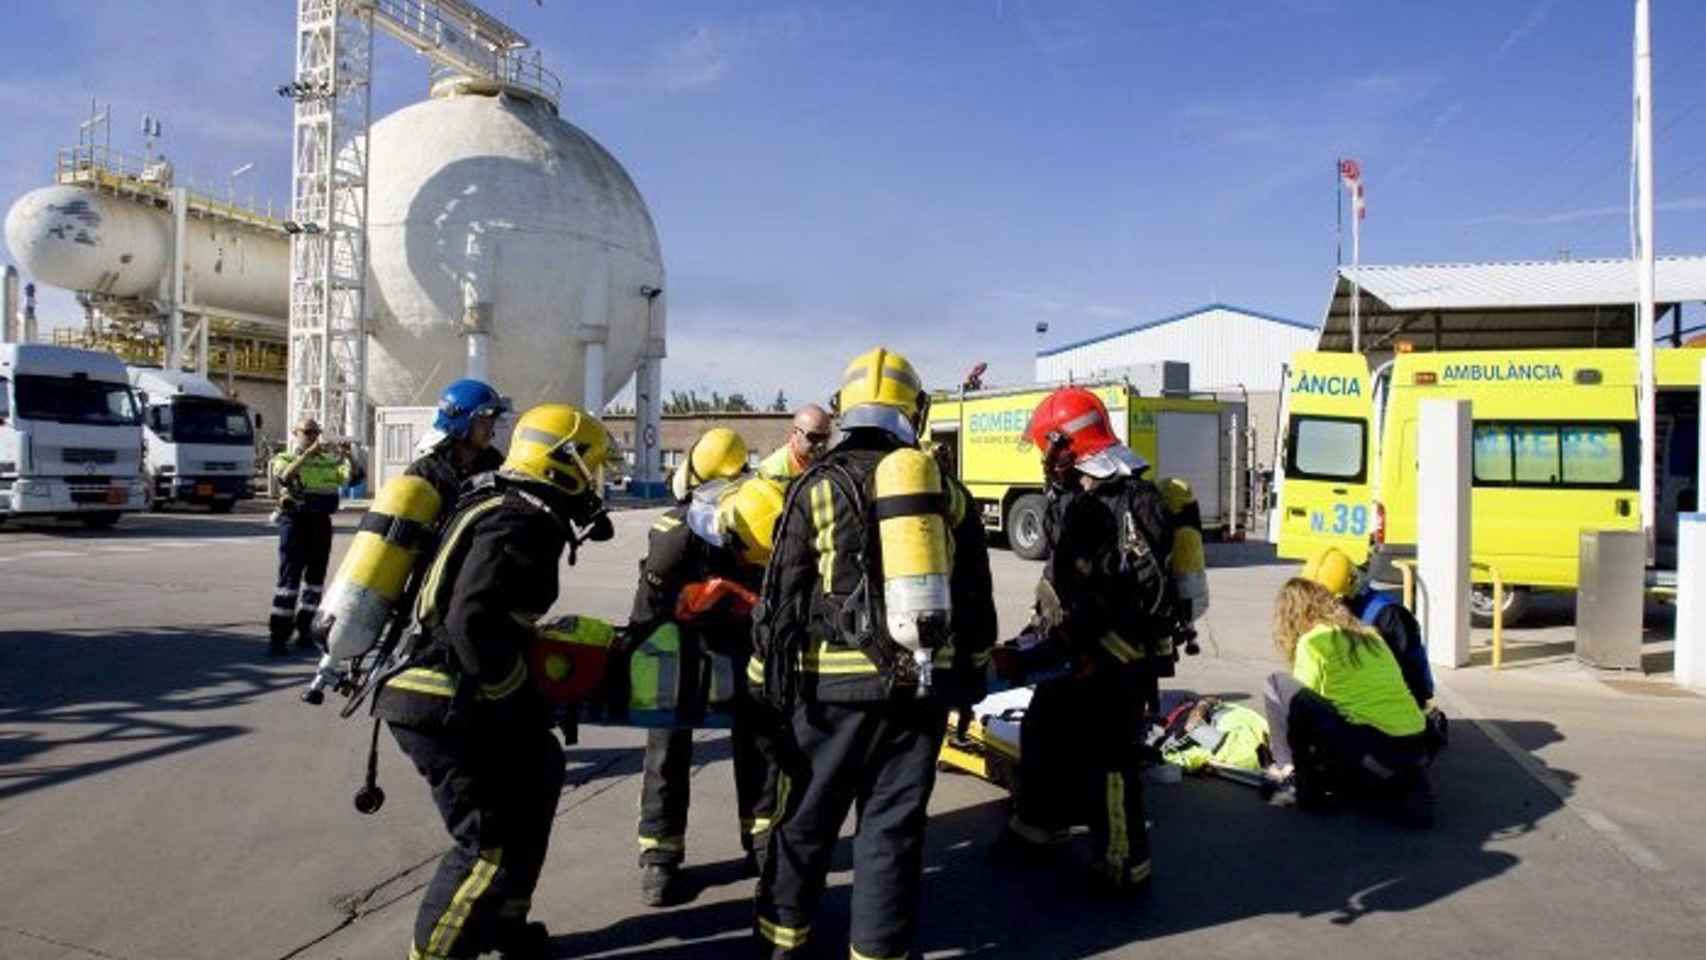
[(1644, 324), (1356, 268)]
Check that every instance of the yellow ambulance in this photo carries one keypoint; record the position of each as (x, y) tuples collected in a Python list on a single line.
[(981, 434), (1556, 450)]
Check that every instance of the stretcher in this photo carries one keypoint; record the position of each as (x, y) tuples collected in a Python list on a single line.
[(985, 741)]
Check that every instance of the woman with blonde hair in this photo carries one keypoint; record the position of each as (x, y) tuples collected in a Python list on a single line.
[(1343, 720)]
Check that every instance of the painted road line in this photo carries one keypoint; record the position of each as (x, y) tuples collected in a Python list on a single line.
[(119, 549), (49, 555)]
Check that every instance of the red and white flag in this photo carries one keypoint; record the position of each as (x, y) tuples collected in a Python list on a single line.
[(1351, 173)]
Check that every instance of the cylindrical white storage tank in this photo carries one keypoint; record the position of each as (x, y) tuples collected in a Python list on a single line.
[(489, 215), (91, 242)]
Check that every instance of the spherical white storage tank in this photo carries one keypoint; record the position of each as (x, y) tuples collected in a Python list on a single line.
[(491, 212), (91, 242)]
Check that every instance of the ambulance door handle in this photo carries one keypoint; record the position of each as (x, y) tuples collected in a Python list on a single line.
[(1623, 507), (1294, 511), (1341, 491)]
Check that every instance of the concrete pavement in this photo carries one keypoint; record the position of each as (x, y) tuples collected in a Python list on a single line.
[(164, 795)]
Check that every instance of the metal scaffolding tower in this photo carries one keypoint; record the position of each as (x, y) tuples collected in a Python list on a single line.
[(328, 225)]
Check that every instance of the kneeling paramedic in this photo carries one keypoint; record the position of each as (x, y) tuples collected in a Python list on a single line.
[(701, 575), (461, 705), (309, 479), (876, 617), (1111, 572), (1333, 569), (467, 416)]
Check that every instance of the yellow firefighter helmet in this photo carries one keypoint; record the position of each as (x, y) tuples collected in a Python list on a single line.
[(560, 445)]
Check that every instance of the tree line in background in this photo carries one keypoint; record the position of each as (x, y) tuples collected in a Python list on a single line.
[(692, 401)]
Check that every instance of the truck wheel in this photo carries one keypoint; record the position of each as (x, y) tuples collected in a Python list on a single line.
[(1481, 605), (99, 521), (1025, 527), (222, 506)]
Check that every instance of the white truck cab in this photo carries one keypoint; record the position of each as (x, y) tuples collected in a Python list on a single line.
[(70, 435), (198, 446)]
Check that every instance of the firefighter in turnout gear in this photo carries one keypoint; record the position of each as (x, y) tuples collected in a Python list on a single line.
[(468, 411), (309, 478), (718, 454), (460, 704), (723, 533), (1113, 613), (877, 616)]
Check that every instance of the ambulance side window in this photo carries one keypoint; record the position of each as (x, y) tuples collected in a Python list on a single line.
[(1558, 455), (1328, 448)]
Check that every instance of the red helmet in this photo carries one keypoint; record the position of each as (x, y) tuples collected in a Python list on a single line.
[(1075, 419)]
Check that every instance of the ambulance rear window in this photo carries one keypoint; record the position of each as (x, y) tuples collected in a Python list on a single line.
[(1328, 448)]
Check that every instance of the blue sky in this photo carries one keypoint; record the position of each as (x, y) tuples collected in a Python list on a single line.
[(941, 175)]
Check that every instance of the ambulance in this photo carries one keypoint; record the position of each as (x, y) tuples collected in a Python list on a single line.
[(980, 435), (1556, 450)]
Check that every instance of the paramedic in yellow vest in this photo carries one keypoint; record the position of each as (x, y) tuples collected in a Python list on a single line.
[(1344, 724), (308, 479), (463, 708), (807, 442), (722, 534)]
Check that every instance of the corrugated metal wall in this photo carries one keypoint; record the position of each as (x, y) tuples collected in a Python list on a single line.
[(1224, 347)]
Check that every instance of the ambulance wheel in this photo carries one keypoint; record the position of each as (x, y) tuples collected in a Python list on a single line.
[(1481, 605), (221, 506), (99, 521), (1025, 527)]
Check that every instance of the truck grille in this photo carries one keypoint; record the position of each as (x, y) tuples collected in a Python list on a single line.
[(88, 455), (219, 466)]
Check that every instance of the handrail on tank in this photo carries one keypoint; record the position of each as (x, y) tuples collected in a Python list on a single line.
[(102, 166), (1408, 569), (529, 77)]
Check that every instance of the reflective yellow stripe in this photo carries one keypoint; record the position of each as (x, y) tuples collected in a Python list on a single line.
[(428, 608), (832, 661), (823, 520), (666, 523), (784, 786), (508, 685), (982, 659), (1119, 844), (755, 671), (423, 680), (856, 955), (1138, 873), (673, 844), (753, 826), (944, 656), (1122, 651), (788, 938), (450, 924)]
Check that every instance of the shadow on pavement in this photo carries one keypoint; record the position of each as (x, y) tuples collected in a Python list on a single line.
[(108, 693), (1221, 856)]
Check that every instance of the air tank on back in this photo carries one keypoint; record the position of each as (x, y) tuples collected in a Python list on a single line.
[(504, 239)]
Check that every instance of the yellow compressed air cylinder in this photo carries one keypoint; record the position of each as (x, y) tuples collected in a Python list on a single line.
[(375, 569), (914, 533)]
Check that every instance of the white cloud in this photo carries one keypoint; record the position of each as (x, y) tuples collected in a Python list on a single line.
[(1582, 213), (704, 55), (1536, 17)]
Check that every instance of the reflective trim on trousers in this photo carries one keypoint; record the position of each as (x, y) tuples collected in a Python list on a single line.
[(855, 954), (508, 685), (788, 938), (671, 844), (450, 924), (1119, 842)]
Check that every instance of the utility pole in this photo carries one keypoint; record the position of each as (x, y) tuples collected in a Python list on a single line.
[(1645, 320)]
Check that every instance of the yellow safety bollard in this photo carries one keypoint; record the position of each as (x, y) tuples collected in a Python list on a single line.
[(1408, 569)]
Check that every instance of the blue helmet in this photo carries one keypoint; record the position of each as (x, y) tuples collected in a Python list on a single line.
[(461, 402)]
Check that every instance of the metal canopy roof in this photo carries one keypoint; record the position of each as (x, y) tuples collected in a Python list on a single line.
[(1474, 306)]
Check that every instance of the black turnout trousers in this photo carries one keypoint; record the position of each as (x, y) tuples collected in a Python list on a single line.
[(497, 790), (880, 760), (1079, 763), (666, 788)]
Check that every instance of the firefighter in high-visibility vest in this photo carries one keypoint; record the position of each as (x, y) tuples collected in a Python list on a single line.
[(308, 478), (876, 617), (807, 441), (461, 705), (723, 533)]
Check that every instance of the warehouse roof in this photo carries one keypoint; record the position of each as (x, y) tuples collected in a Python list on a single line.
[(1150, 324), (1467, 306)]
